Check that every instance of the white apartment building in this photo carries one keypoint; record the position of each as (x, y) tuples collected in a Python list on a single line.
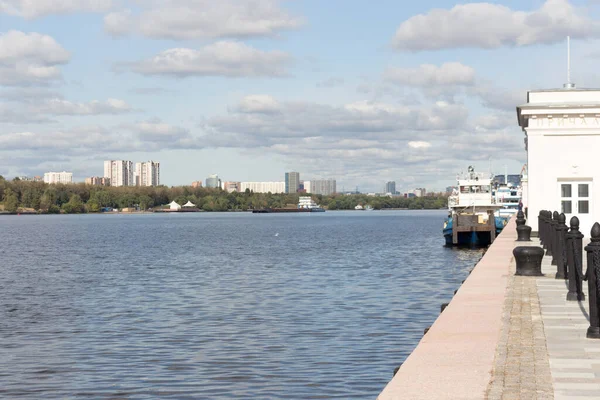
[(263, 187), (147, 173), (324, 187), (58, 177), (120, 172)]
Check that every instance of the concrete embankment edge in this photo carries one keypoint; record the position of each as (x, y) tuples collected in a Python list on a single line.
[(454, 360)]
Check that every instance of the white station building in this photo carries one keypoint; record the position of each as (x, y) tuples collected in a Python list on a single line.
[(562, 139)]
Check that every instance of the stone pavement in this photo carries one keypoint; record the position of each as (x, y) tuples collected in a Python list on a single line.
[(542, 351), (574, 359), (521, 368)]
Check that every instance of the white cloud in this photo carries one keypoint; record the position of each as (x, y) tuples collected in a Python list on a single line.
[(419, 145), (193, 19), (224, 58), (39, 8), (94, 107), (28, 58), (42, 110), (447, 74), (488, 25), (259, 104)]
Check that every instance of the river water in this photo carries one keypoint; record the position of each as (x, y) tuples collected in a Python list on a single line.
[(218, 305)]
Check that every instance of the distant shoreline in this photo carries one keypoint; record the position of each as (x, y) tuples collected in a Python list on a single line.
[(26, 213)]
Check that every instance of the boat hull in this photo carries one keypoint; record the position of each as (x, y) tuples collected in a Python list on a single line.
[(472, 239)]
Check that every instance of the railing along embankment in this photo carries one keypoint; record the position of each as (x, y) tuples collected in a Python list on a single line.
[(454, 359)]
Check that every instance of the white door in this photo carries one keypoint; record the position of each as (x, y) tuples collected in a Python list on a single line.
[(576, 200)]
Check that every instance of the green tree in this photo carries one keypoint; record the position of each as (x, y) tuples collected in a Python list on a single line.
[(74, 205), (145, 202), (11, 202)]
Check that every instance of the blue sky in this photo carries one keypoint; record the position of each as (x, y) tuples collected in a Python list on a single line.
[(361, 92)]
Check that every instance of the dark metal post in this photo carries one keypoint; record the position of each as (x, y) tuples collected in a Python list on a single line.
[(561, 248), (540, 234), (574, 261), (592, 274), (528, 260), (546, 225), (554, 231), (523, 231), (548, 234)]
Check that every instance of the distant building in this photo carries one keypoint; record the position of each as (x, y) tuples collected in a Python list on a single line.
[(263, 187), (420, 192), (304, 187), (97, 181), (232, 186), (147, 173), (324, 187), (58, 177), (409, 195), (292, 182), (213, 181), (120, 172), (197, 184), (30, 179), (390, 187)]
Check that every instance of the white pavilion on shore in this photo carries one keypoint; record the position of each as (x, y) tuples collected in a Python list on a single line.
[(174, 206), (189, 204), (562, 139)]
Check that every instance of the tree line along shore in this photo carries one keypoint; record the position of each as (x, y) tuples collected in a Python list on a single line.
[(25, 196)]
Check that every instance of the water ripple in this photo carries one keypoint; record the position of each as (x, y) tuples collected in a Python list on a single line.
[(215, 305)]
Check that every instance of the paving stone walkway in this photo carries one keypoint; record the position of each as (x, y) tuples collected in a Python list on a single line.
[(574, 359), (543, 352), (521, 366)]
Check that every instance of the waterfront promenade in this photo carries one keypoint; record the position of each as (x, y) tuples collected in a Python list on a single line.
[(504, 337)]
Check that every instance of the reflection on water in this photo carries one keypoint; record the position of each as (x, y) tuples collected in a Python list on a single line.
[(218, 305)]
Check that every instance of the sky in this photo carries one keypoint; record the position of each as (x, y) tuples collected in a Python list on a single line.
[(362, 92)]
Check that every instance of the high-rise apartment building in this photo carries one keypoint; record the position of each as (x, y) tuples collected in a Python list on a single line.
[(324, 187), (197, 184), (390, 187), (263, 187), (147, 173), (120, 172), (58, 177), (292, 182), (97, 181), (213, 181)]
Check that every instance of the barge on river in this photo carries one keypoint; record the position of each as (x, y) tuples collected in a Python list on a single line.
[(306, 204)]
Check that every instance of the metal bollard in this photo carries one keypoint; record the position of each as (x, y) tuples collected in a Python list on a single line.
[(574, 261), (549, 234), (592, 275), (523, 231), (546, 224), (540, 227), (554, 238), (443, 307), (561, 248), (528, 260)]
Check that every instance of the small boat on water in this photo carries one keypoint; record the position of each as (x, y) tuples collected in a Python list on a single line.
[(472, 208), (369, 207)]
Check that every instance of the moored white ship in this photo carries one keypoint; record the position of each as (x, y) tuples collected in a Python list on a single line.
[(471, 220)]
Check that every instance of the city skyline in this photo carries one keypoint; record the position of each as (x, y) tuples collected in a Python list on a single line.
[(295, 87)]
